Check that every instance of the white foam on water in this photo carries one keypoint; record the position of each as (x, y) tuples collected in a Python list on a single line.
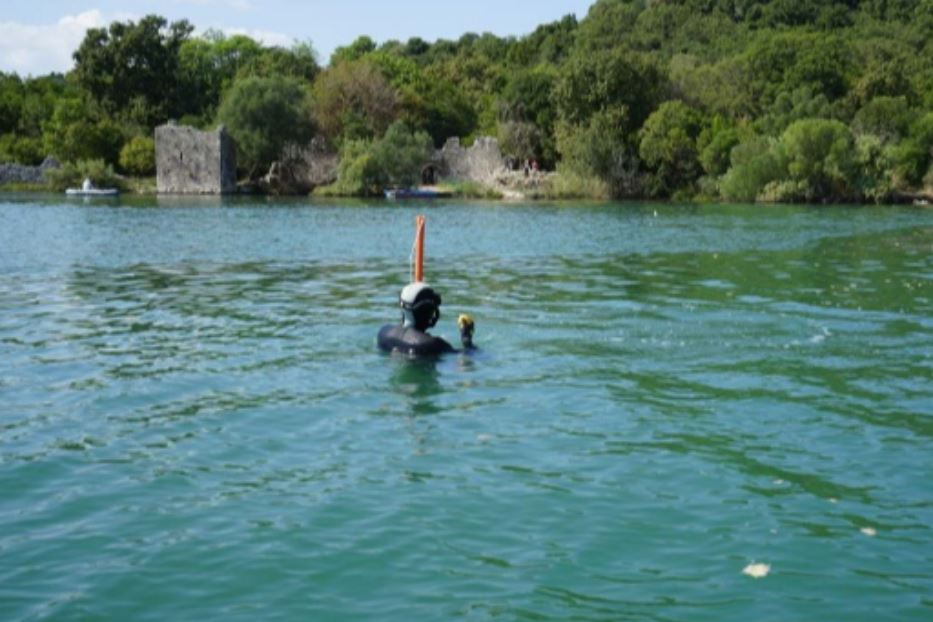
[(871, 532), (757, 571), (821, 337)]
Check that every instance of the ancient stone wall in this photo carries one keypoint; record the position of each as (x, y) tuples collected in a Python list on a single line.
[(310, 165), (189, 161), (17, 173), (481, 162)]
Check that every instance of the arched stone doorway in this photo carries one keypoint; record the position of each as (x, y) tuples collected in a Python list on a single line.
[(429, 175)]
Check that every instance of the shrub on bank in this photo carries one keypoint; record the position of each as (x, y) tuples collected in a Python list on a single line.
[(755, 163), (473, 190), (366, 167), (568, 184), (138, 156), (23, 150), (73, 174), (264, 115)]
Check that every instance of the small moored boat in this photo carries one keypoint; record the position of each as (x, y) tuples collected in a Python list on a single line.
[(93, 192), (87, 189), (416, 193)]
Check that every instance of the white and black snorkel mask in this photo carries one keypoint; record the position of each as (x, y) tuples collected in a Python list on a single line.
[(420, 306)]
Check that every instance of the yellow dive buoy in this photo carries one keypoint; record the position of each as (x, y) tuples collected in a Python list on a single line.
[(465, 321)]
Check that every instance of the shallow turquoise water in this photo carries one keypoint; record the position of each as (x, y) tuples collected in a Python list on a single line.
[(195, 423)]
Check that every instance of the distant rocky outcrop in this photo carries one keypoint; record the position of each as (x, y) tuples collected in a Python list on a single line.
[(482, 162), (19, 174), (302, 168), (189, 161)]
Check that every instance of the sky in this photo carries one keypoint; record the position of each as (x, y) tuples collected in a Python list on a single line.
[(39, 36)]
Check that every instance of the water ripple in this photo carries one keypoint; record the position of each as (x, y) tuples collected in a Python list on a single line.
[(195, 422)]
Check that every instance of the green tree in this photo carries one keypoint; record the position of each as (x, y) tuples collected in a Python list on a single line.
[(353, 52), (876, 167), (526, 101), (755, 163), (354, 100), (716, 143), (138, 156), (477, 77), (669, 146), (441, 109), (367, 167), (549, 44), (73, 133), (776, 63), (264, 115), (608, 23), (401, 153), (11, 102), (416, 47), (886, 66), (208, 66), (718, 88), (133, 60), (605, 79), (520, 140), (21, 149), (914, 155), (357, 171), (71, 174), (602, 149), (40, 97), (886, 117), (820, 158), (437, 106), (299, 62), (790, 106), (822, 64)]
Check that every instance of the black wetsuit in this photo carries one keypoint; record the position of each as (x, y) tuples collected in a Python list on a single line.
[(409, 340)]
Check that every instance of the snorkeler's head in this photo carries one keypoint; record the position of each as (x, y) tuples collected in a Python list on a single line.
[(420, 306)]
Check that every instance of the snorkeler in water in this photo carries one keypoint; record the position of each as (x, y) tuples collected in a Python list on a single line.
[(420, 311)]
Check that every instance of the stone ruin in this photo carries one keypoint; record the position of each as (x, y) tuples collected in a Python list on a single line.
[(482, 162), (189, 161), (301, 168), (18, 173)]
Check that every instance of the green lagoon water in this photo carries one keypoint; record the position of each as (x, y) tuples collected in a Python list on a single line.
[(195, 423)]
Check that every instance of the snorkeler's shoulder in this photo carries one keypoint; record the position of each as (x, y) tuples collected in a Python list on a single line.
[(411, 341), (390, 337)]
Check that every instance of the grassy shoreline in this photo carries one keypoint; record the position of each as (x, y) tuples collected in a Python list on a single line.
[(919, 200), (557, 188)]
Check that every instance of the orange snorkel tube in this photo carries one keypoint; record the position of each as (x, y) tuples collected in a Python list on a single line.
[(419, 249), (464, 322)]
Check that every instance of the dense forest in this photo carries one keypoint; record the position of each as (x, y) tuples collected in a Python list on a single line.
[(770, 100)]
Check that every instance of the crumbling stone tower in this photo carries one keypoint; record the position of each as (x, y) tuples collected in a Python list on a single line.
[(189, 161)]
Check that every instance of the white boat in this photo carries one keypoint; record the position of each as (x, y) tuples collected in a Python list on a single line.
[(92, 192), (87, 189), (416, 193)]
